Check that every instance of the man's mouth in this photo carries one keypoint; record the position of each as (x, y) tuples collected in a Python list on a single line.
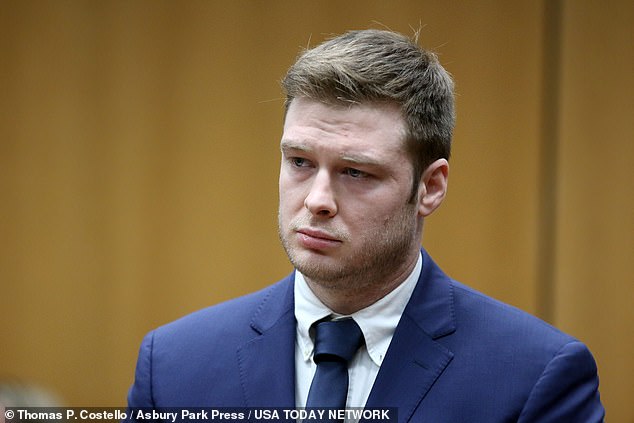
[(315, 239)]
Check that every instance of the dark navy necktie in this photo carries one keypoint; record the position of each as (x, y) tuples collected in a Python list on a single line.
[(336, 342)]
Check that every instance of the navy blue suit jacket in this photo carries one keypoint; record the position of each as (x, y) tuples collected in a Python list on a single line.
[(456, 356)]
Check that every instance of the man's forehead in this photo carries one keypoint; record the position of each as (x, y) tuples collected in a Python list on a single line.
[(311, 115), (342, 104)]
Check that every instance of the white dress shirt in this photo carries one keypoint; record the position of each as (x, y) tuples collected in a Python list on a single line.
[(377, 322)]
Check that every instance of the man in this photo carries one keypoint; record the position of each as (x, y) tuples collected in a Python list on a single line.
[(367, 134)]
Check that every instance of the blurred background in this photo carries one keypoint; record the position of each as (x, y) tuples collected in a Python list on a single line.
[(139, 162)]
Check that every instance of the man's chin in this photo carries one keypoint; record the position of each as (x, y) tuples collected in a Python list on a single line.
[(317, 264)]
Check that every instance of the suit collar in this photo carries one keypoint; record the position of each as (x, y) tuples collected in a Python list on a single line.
[(415, 359), (267, 361), (277, 302), (432, 303)]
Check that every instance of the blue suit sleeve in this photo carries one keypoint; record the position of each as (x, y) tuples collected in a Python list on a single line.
[(140, 394), (567, 390)]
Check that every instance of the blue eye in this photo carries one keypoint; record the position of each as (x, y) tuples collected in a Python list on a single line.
[(355, 173), (298, 161)]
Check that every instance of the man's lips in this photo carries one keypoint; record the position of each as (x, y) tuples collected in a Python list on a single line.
[(317, 240)]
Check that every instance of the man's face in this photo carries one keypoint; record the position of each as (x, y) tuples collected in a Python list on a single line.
[(345, 182)]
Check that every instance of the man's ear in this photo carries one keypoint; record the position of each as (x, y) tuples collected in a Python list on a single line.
[(432, 187)]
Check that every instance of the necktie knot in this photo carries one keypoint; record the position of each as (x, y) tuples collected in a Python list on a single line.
[(337, 340)]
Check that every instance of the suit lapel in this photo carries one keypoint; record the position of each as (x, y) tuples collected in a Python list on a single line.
[(267, 362), (415, 359)]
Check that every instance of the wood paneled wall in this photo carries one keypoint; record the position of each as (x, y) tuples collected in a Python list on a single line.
[(594, 248), (139, 157)]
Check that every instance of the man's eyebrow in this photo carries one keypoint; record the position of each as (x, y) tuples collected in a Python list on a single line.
[(290, 145), (360, 158), (354, 158)]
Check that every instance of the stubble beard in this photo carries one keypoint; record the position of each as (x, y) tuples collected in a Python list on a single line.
[(384, 254)]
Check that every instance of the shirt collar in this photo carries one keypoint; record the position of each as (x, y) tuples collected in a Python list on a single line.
[(377, 321)]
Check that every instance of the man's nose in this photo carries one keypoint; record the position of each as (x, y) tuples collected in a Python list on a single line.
[(321, 200)]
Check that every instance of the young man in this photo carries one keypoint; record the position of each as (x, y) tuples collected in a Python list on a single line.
[(365, 149)]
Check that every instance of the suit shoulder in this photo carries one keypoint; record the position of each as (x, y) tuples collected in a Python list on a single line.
[(226, 318), (493, 316)]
